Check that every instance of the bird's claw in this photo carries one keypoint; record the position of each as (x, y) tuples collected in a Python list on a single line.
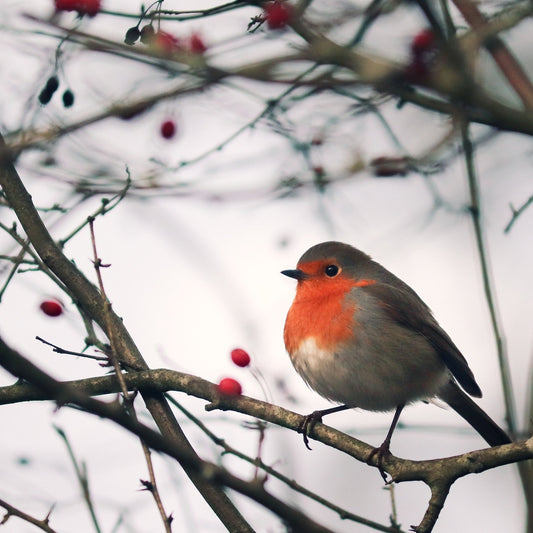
[(381, 452), (308, 424)]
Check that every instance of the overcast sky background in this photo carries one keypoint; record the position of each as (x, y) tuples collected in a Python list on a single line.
[(194, 276)]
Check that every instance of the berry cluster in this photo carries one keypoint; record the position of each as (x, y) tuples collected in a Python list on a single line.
[(230, 386), (164, 42), (50, 87)]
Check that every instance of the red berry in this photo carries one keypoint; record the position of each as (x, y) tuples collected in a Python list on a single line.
[(229, 387), (51, 308), (422, 42), (277, 14), (423, 54), (168, 129), (240, 357), (165, 42), (83, 7), (196, 44)]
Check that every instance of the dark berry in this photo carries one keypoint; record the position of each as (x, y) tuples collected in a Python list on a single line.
[(147, 34), (68, 98), (52, 83), (132, 35), (45, 96)]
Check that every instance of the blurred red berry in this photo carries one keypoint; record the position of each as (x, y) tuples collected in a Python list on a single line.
[(317, 140), (165, 42), (83, 7), (240, 357), (196, 44), (422, 42), (229, 387), (277, 14), (423, 54), (51, 308), (168, 129), (386, 167)]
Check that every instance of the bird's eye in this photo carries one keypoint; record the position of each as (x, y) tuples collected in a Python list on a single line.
[(332, 270)]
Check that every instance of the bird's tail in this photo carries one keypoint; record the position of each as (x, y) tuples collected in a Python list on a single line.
[(473, 414)]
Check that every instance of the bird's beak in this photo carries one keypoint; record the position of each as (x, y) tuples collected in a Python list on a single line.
[(296, 274)]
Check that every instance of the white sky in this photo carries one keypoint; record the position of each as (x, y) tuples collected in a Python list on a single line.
[(194, 278)]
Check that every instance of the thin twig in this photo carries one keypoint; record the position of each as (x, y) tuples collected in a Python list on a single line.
[(152, 488), (507, 63), (107, 205), (128, 398), (27, 249), (83, 480), (113, 354), (475, 213), (516, 213), (524, 469), (13, 511), (60, 350)]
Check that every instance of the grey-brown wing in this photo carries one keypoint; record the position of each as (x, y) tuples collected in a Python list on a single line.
[(405, 307)]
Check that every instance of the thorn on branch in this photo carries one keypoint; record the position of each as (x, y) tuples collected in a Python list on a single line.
[(98, 263), (148, 486)]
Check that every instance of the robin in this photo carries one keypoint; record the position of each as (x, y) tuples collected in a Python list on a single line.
[(361, 337)]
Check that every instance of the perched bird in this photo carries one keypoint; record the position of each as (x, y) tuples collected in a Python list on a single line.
[(361, 337)]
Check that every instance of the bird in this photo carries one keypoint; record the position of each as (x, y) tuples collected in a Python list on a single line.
[(361, 337)]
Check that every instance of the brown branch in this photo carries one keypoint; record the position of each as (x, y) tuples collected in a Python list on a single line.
[(439, 493), (270, 471), (153, 489), (503, 57), (13, 511), (164, 380), (438, 474), (386, 76), (214, 476), (89, 300)]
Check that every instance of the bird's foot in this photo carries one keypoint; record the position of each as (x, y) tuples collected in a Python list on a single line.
[(381, 452), (308, 424)]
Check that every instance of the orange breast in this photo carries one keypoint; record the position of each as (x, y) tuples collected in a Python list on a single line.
[(320, 310)]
